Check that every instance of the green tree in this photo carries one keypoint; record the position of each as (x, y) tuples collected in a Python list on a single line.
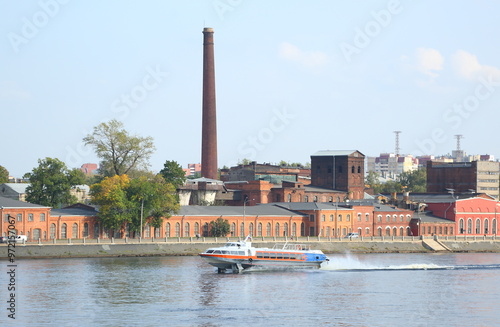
[(219, 227), (122, 199), (4, 175), (51, 182), (414, 181), (390, 187), (172, 173), (372, 180), (119, 152)]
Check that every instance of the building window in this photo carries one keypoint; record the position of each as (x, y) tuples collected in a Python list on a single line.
[(178, 230), (64, 231), (74, 232), (289, 197), (242, 230), (461, 225), (19, 217), (86, 230), (294, 229), (96, 230), (478, 226), (277, 230), (285, 229), (197, 229), (30, 217), (402, 218), (408, 218), (367, 231), (233, 229), (250, 232), (388, 231), (268, 229), (395, 218), (205, 229), (440, 230), (340, 217), (330, 199), (306, 198), (348, 218), (469, 226), (36, 234), (167, 230), (42, 217), (486, 226), (187, 231), (379, 218), (388, 218), (311, 217), (302, 229), (323, 218), (359, 216), (352, 169), (494, 226), (315, 199), (359, 169), (259, 229), (367, 217), (331, 217), (445, 230)]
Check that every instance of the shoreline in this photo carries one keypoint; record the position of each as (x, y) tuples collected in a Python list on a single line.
[(162, 248)]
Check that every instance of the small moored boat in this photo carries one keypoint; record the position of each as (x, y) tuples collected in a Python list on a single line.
[(242, 256)]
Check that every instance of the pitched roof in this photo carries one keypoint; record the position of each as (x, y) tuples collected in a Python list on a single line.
[(11, 203), (17, 187), (334, 153), (267, 210)]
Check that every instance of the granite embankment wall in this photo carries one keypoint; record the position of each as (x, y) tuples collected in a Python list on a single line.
[(50, 250)]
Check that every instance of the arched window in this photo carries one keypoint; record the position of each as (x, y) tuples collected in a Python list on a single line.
[(36, 234), (367, 231), (259, 229), (348, 218), (167, 230), (359, 216), (401, 231), (64, 230), (469, 226), (285, 229), (53, 231), (205, 229), (388, 218), (402, 218), (340, 217), (289, 197), (352, 169), (379, 231), (330, 199), (379, 218), (74, 232), (250, 232), (395, 218), (395, 231), (294, 229), (268, 229), (147, 230), (178, 230), (387, 231), (331, 217), (96, 230), (315, 198), (486, 226), (242, 230), (277, 230), (494, 226), (86, 230), (302, 229), (306, 198), (360, 231), (233, 229), (461, 225), (344, 231), (187, 230), (323, 218), (196, 229), (367, 217), (359, 169), (478, 226)]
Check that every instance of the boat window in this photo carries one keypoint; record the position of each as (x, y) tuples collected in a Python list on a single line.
[(286, 256), (266, 255), (260, 255), (210, 251), (217, 252), (272, 255)]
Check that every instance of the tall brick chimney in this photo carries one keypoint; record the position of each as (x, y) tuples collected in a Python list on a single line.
[(209, 123)]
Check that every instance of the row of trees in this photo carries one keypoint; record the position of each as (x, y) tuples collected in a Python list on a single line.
[(412, 181)]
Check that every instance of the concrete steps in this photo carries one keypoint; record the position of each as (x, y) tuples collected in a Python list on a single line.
[(434, 245)]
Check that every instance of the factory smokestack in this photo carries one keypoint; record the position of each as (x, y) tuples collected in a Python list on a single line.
[(209, 123)]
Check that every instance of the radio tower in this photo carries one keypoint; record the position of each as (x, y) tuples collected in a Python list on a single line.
[(397, 142), (459, 154)]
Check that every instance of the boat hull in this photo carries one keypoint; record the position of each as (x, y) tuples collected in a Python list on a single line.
[(259, 264)]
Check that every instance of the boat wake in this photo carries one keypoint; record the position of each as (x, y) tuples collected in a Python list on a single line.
[(352, 264)]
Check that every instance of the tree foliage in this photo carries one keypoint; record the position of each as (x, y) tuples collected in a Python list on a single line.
[(414, 181), (51, 182), (122, 199), (173, 173), (219, 227), (119, 152), (4, 175)]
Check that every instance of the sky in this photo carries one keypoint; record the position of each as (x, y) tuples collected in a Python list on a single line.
[(292, 77)]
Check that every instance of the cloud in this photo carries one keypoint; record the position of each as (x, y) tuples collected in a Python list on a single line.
[(308, 59), (429, 61), (467, 66)]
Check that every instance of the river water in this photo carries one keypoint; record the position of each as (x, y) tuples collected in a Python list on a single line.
[(355, 290)]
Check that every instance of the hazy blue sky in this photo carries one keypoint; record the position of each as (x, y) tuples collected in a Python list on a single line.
[(292, 77)]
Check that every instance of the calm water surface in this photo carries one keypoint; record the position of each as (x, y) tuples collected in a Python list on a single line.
[(357, 290)]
